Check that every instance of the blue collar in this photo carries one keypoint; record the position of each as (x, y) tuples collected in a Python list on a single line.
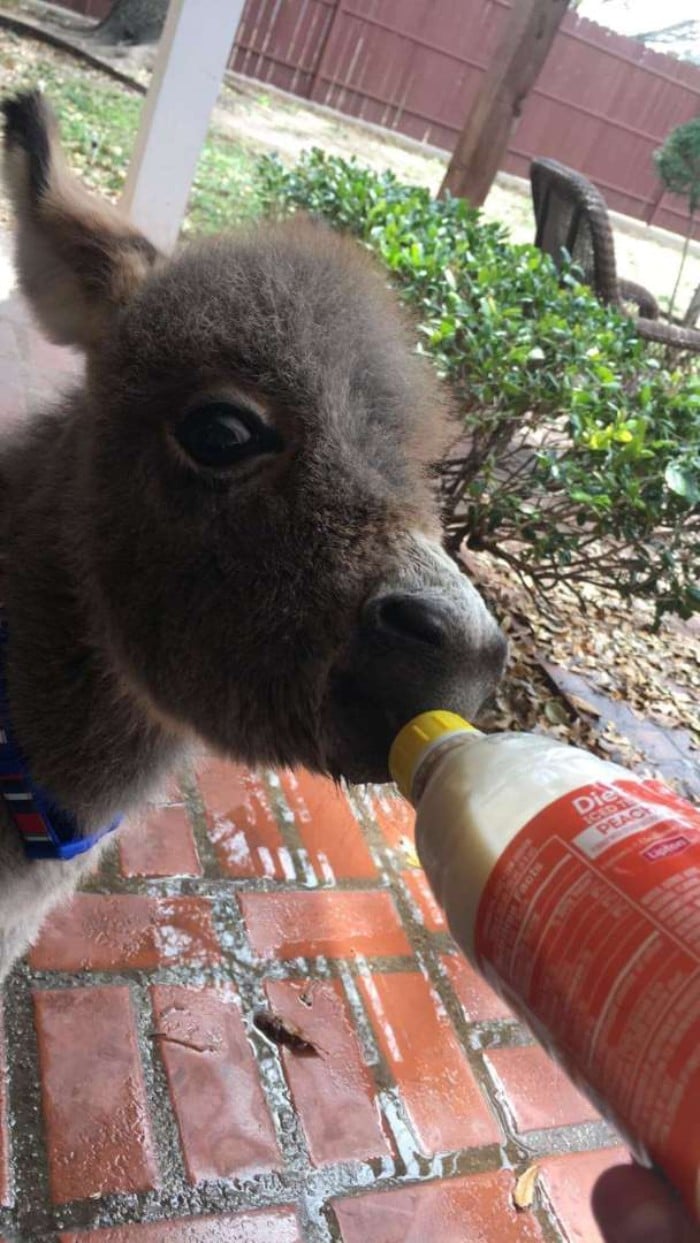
[(47, 831)]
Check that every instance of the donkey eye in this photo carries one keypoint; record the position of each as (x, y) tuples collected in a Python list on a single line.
[(220, 434)]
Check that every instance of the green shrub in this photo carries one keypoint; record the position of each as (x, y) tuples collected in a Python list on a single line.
[(678, 166), (578, 456), (678, 162)]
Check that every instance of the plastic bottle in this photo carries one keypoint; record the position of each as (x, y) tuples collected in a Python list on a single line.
[(574, 888)]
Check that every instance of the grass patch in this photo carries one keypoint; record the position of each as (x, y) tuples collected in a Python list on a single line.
[(99, 120)]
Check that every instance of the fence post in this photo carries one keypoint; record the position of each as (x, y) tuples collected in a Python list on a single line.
[(189, 68), (316, 72), (529, 28)]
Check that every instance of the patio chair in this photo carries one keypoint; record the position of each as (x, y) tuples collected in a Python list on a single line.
[(692, 315), (571, 215)]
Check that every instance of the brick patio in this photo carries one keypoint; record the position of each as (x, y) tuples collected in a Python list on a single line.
[(141, 1104), (139, 1089)]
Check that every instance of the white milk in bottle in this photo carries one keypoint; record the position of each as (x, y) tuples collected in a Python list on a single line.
[(574, 888)]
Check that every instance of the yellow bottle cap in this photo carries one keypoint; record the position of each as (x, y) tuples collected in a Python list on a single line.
[(409, 745)]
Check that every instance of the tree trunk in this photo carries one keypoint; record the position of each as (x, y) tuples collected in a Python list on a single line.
[(684, 256), (530, 28), (133, 21)]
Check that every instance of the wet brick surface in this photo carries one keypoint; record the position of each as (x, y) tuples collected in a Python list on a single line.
[(98, 1129), (148, 1097)]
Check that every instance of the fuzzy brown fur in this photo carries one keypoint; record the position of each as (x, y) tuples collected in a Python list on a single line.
[(295, 609)]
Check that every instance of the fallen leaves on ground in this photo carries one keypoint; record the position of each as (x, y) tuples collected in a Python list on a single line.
[(604, 639), (524, 1190)]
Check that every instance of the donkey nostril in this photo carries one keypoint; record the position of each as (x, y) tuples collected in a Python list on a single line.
[(410, 617)]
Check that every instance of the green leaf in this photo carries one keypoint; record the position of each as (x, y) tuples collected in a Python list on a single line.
[(683, 482), (555, 712)]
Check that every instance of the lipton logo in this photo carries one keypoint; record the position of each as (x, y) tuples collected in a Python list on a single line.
[(669, 846)]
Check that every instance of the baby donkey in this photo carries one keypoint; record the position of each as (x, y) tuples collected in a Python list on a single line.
[(225, 534)]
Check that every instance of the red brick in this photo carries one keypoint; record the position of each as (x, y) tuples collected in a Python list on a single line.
[(341, 924), (477, 999), (162, 845), (327, 826), (334, 1093), (429, 912), (225, 1127), (5, 1196), (439, 1091), (454, 1211), (539, 1093), (395, 817), (98, 932), (242, 824), (569, 1181), (93, 1095), (277, 1225)]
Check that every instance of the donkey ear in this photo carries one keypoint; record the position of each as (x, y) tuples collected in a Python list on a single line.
[(79, 260)]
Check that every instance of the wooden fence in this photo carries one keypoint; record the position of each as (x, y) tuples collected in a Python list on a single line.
[(603, 103)]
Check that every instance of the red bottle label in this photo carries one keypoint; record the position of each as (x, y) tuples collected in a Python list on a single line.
[(589, 927)]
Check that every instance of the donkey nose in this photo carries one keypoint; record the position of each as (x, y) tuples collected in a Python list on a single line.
[(404, 627), (407, 616)]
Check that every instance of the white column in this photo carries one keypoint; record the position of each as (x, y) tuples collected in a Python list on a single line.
[(190, 62)]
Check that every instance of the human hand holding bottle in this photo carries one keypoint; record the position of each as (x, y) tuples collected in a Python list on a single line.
[(634, 1205)]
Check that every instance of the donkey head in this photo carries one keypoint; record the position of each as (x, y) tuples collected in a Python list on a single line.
[(256, 514)]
